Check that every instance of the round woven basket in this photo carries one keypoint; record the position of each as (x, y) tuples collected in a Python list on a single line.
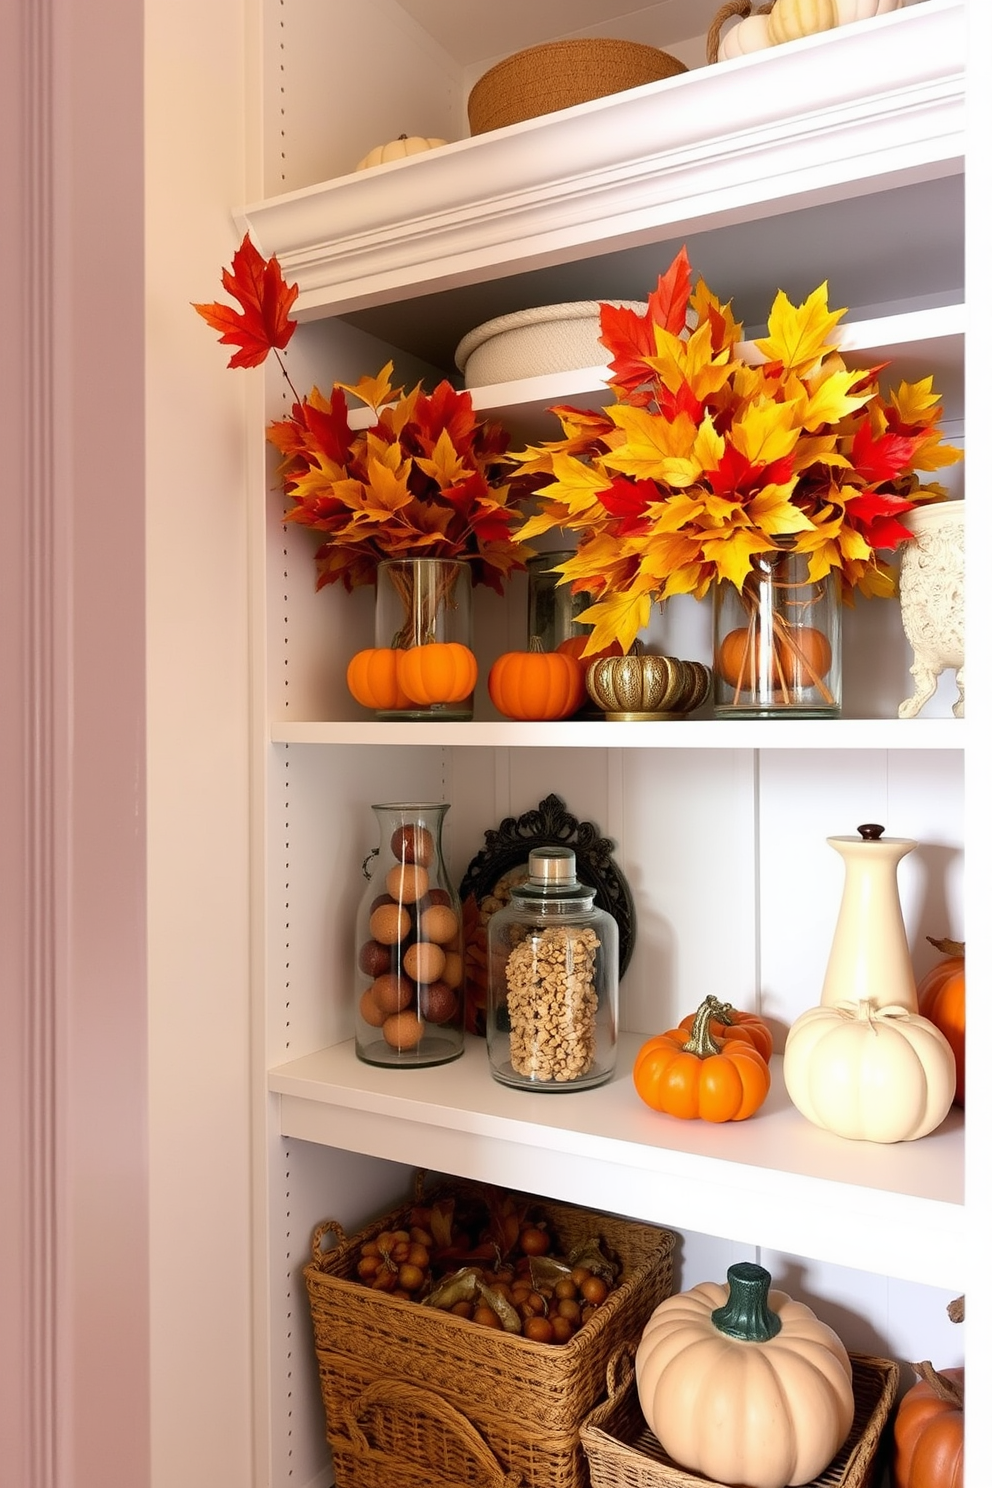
[(528, 343), (542, 79)]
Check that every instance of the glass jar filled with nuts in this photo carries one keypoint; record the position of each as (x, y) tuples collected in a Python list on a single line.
[(409, 956), (553, 981)]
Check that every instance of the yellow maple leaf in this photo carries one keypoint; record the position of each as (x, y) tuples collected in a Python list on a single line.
[(916, 402), (773, 513), (373, 391), (765, 433), (387, 490), (799, 335), (831, 400), (617, 617), (655, 448), (731, 556), (445, 466), (576, 485)]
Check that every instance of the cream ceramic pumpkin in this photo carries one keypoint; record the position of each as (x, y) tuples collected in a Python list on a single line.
[(743, 1384), (862, 10), (748, 35), (871, 1074), (790, 19), (398, 149)]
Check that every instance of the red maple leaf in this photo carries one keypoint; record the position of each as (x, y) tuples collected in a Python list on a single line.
[(882, 459), (263, 325), (876, 516)]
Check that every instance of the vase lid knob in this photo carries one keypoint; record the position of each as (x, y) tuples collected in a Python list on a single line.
[(871, 831)]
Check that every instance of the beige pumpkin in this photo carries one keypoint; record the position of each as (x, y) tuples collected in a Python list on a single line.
[(788, 20), (869, 1073), (748, 34), (743, 1384), (398, 149), (863, 10)]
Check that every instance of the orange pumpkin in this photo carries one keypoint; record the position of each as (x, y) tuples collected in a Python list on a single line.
[(537, 684), (693, 1075), (929, 1431), (372, 679), (576, 645), (941, 997), (443, 672), (729, 1023), (801, 659)]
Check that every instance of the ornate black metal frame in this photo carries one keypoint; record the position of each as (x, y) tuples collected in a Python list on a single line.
[(551, 825)]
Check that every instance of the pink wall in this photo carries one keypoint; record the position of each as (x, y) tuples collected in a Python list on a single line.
[(74, 1364)]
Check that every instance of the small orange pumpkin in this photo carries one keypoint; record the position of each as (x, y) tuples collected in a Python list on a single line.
[(693, 1075), (443, 672), (941, 998), (929, 1431), (729, 1023), (373, 681), (801, 660), (537, 685), (575, 646)]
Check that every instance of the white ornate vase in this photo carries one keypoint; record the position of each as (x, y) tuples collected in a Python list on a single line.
[(931, 597)]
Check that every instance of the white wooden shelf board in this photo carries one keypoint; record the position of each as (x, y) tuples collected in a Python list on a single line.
[(849, 110), (933, 336), (773, 1180), (688, 733)]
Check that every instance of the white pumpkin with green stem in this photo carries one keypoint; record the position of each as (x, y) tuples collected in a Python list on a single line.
[(743, 1384), (869, 1073)]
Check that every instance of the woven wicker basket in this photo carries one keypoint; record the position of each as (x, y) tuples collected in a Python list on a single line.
[(393, 1373), (542, 79), (624, 1453)]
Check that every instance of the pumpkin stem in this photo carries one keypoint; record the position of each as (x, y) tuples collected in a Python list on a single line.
[(700, 1041), (945, 1389), (746, 1314), (947, 947)]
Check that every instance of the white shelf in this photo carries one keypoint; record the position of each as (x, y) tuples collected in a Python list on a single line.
[(688, 733), (856, 110), (772, 1180), (921, 343)]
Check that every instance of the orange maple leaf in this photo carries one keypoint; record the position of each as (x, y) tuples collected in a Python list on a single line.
[(263, 324)]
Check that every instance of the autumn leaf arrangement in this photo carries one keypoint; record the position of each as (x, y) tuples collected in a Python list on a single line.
[(426, 479), (716, 453)]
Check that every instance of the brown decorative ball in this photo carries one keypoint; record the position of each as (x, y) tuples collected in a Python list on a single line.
[(438, 923), (437, 1003), (451, 973), (438, 896), (413, 844), (374, 958), (403, 1030), (370, 1009), (423, 961), (390, 923), (407, 882), (392, 992)]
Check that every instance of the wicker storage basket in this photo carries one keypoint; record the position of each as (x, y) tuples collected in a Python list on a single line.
[(395, 1374), (624, 1453), (541, 79)]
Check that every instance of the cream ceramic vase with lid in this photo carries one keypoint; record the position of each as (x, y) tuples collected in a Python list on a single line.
[(869, 959)]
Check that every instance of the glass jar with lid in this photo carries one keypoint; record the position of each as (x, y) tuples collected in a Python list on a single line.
[(553, 964)]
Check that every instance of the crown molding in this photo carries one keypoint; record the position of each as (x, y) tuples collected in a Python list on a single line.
[(879, 102)]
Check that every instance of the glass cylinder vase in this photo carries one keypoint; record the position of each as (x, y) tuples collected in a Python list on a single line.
[(409, 1005), (551, 605), (423, 611), (776, 642)]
